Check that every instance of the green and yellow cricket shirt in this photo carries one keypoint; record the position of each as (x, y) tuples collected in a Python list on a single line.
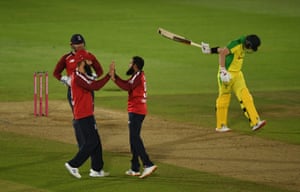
[(234, 60)]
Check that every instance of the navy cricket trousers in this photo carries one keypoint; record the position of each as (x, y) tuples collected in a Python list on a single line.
[(91, 144), (78, 136), (136, 143)]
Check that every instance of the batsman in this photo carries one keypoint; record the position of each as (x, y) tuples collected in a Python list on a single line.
[(231, 79)]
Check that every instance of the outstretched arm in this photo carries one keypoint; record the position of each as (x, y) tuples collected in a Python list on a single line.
[(126, 85), (123, 84), (90, 85)]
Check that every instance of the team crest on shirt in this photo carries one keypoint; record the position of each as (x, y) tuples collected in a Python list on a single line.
[(72, 60)]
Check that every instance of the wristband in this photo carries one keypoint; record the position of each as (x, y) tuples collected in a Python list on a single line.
[(214, 50)]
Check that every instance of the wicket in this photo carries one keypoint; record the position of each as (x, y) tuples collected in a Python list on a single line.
[(38, 82)]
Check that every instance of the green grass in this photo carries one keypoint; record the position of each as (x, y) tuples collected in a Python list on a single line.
[(181, 80), (33, 164), (37, 33), (281, 109)]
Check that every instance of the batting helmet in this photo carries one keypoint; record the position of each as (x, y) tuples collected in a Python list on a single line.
[(252, 42)]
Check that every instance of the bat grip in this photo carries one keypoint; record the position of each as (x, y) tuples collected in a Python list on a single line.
[(196, 44)]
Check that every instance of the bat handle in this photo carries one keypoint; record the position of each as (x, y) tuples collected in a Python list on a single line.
[(196, 44)]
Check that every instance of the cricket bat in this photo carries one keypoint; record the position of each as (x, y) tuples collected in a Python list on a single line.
[(177, 38)]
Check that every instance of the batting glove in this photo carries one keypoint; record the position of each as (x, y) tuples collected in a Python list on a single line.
[(94, 75), (66, 80), (224, 75), (205, 48)]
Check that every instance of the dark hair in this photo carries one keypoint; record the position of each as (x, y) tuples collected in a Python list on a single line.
[(139, 61)]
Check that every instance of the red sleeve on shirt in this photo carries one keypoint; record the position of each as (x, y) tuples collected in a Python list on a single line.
[(127, 85), (96, 85), (123, 84), (60, 66), (88, 84)]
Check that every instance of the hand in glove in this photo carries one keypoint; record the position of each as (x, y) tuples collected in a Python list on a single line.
[(205, 48), (94, 75), (224, 75), (66, 80)]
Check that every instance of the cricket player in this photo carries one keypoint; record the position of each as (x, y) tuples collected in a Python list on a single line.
[(137, 110), (231, 79), (83, 109), (67, 62)]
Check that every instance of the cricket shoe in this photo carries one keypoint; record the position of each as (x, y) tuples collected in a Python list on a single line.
[(130, 172), (101, 173), (74, 171), (223, 129), (259, 125), (148, 171)]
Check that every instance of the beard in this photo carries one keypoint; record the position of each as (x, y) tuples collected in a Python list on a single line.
[(130, 71)]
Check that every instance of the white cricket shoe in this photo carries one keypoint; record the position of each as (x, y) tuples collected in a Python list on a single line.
[(259, 125), (98, 173), (132, 173), (223, 129), (74, 171), (148, 171)]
